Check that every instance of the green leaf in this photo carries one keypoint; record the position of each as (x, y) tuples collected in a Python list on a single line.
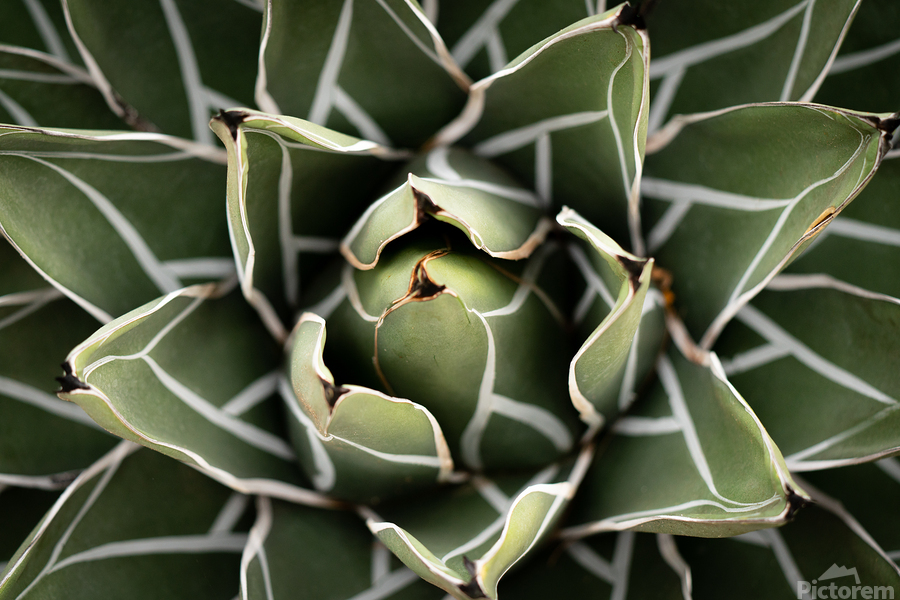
[(482, 36), (816, 358), (568, 117), (861, 246), (498, 216), (763, 180), (690, 458), (870, 54), (282, 232), (709, 55), (463, 540), (327, 555), (192, 376), (472, 339), (40, 89), (110, 219), (203, 58), (598, 383), (357, 443), (376, 69), (117, 523), (824, 546), (43, 440), (620, 566)]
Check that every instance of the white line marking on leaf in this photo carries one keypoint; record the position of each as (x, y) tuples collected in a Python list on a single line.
[(231, 512), (32, 300), (634, 426), (58, 78), (754, 358), (864, 58), (17, 111), (324, 96), (252, 395), (46, 29), (198, 107), (663, 99), (496, 51), (852, 228), (212, 267), (255, 547), (153, 268), (475, 38), (784, 557), (359, 118), (775, 334), (702, 52), (45, 401), (248, 433), (261, 95), (519, 137), (791, 79)]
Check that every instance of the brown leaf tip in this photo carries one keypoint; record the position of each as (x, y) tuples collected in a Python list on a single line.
[(232, 119), (69, 382), (473, 588), (332, 392)]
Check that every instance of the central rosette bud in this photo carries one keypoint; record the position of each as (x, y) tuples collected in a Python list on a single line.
[(451, 336)]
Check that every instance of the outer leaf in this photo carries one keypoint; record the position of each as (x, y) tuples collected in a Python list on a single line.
[(861, 246), (564, 132), (498, 216), (690, 459), (113, 525), (357, 443), (817, 360), (203, 59), (43, 440), (617, 566), (598, 383), (482, 35), (40, 89), (708, 55), (763, 180), (373, 68), (326, 555), (870, 53), (825, 546), (435, 537), (105, 217), (280, 170), (190, 375)]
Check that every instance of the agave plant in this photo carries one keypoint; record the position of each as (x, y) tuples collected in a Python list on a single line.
[(498, 304)]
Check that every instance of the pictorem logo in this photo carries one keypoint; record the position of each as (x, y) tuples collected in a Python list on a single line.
[(826, 586)]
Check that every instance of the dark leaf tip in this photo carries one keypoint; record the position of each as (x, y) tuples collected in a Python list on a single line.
[(332, 392), (232, 119), (473, 588), (69, 382)]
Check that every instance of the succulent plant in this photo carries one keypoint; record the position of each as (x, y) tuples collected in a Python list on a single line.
[(497, 305)]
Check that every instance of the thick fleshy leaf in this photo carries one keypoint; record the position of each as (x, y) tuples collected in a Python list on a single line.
[(598, 383), (690, 458), (326, 555), (376, 69), (464, 540), (192, 376), (472, 339), (569, 116), (43, 440), (861, 246), (620, 566), (824, 547), (294, 188), (141, 524), (203, 58), (496, 214), (357, 443), (483, 36), (38, 89), (709, 55), (763, 180), (817, 359), (871, 494), (111, 219), (861, 77)]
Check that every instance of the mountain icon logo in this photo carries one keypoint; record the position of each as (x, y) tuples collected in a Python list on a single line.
[(835, 571)]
